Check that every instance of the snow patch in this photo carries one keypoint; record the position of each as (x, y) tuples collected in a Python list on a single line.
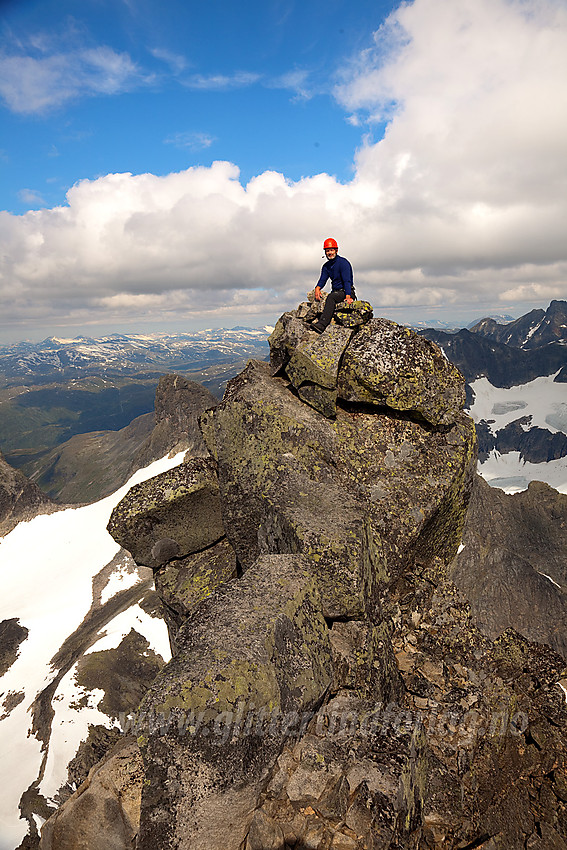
[(511, 474), (121, 579), (550, 579), (47, 567), (542, 399)]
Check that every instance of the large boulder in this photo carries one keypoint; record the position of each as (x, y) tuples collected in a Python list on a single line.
[(294, 327), (367, 361), (253, 660), (355, 495), (388, 364), (288, 333), (171, 515), (314, 367), (104, 812), (184, 582)]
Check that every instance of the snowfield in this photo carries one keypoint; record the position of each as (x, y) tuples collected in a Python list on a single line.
[(542, 399), (545, 402), (511, 474), (47, 567)]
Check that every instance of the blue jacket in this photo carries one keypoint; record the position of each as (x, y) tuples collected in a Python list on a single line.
[(340, 272)]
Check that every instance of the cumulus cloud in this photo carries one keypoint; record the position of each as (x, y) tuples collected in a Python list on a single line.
[(37, 83), (462, 202)]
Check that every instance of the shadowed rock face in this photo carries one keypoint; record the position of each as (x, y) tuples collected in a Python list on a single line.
[(12, 634), (103, 813), (178, 405), (184, 582), (535, 445), (336, 692), (175, 514), (19, 497), (512, 568), (234, 649)]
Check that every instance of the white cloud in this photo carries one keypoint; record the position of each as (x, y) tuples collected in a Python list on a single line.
[(221, 82), (176, 62), (35, 84), (31, 197), (191, 140), (463, 202), (296, 81)]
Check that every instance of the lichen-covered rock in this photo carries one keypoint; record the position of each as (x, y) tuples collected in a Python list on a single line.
[(354, 495), (183, 583), (253, 659), (336, 694), (171, 515), (388, 364), (286, 336), (317, 359), (104, 812), (314, 366), (353, 315), (379, 363)]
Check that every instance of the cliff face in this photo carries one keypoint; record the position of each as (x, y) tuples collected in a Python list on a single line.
[(512, 566), (19, 497), (89, 466), (328, 687)]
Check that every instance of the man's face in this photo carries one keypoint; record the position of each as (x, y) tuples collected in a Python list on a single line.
[(330, 253)]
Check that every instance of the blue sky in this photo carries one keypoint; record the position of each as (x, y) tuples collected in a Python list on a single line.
[(177, 165), (158, 87)]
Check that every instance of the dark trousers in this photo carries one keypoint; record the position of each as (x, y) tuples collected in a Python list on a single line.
[(333, 298)]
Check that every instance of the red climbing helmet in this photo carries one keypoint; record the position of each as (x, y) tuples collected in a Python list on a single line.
[(329, 243)]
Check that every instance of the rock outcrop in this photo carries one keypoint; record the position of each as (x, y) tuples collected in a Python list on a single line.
[(104, 812), (328, 688), (178, 405), (535, 445), (512, 566), (19, 497), (377, 363), (170, 516)]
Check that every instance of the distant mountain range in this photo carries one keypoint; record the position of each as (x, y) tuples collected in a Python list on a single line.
[(58, 389), (515, 374), (55, 359)]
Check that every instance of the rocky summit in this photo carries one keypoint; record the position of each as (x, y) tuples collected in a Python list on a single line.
[(329, 689)]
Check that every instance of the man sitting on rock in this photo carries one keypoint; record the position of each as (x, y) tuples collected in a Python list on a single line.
[(342, 287)]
